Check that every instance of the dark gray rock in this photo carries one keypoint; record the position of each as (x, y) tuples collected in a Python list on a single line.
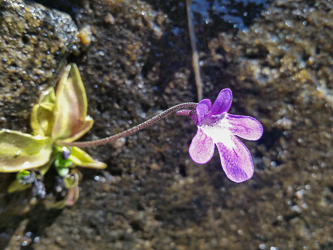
[(34, 42)]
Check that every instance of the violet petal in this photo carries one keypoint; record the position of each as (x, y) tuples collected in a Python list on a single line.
[(202, 148), (236, 161), (202, 109), (222, 103), (245, 127)]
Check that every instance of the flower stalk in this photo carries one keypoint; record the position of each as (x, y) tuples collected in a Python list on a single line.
[(131, 130)]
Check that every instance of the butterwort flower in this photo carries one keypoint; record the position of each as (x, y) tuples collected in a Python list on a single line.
[(217, 127)]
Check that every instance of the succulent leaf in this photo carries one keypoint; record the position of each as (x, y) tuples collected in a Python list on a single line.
[(70, 199), (41, 119), (70, 110), (19, 151), (42, 113), (17, 186), (43, 169), (71, 180), (82, 159), (47, 96)]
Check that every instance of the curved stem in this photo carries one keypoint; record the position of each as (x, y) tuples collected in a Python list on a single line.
[(131, 130)]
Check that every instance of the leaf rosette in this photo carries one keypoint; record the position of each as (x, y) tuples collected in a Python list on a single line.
[(56, 118)]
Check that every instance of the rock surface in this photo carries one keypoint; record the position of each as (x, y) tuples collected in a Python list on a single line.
[(152, 196), (34, 44)]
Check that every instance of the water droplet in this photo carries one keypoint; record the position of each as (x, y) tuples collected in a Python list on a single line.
[(262, 246), (26, 165), (288, 23)]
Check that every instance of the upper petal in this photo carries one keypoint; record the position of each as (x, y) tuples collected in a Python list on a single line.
[(236, 160), (202, 148), (202, 109), (222, 103), (245, 127)]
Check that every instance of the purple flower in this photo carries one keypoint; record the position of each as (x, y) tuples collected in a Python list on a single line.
[(216, 126)]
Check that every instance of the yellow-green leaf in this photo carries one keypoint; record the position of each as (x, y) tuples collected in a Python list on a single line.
[(42, 113), (72, 196), (70, 110), (48, 106), (43, 169), (19, 151), (17, 186), (42, 119), (82, 159), (70, 199), (47, 96), (79, 133), (71, 180), (34, 123)]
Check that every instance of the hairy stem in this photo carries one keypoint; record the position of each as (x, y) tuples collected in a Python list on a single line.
[(131, 130), (195, 56)]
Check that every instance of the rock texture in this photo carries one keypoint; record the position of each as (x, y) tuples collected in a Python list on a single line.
[(152, 196), (34, 42)]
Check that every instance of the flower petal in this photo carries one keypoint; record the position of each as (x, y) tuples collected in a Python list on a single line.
[(245, 127), (202, 148), (202, 109), (236, 161), (222, 102)]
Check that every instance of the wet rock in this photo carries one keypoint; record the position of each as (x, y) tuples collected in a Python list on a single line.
[(34, 42)]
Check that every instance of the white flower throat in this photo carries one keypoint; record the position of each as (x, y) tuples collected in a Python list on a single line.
[(217, 127)]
